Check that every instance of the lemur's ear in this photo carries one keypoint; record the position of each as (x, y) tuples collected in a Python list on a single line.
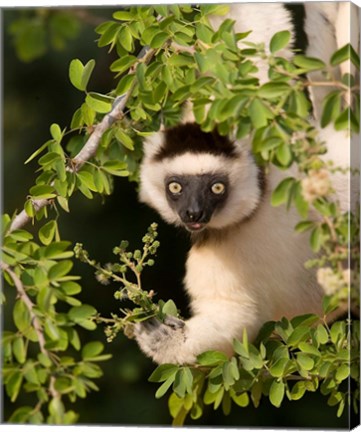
[(187, 114), (153, 144)]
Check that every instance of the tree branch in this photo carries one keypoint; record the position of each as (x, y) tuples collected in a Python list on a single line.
[(91, 146), (28, 303)]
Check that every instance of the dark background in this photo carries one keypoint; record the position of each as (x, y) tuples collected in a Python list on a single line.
[(37, 94)]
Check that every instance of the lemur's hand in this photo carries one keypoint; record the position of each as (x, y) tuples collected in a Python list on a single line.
[(161, 340)]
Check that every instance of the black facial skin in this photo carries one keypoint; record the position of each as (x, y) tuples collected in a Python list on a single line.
[(196, 203)]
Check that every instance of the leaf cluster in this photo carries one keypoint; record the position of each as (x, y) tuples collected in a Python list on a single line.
[(40, 353), (288, 359)]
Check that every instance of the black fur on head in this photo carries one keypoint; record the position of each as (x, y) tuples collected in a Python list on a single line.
[(189, 137)]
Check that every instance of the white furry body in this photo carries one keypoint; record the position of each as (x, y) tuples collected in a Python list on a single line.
[(250, 273), (253, 274)]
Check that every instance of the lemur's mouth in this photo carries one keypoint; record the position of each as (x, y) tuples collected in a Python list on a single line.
[(195, 226)]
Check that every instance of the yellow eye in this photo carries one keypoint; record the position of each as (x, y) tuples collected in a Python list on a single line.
[(218, 188), (175, 187)]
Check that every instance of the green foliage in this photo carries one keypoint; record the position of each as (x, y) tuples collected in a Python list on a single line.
[(165, 56), (292, 358), (40, 354), (131, 287), (37, 30)]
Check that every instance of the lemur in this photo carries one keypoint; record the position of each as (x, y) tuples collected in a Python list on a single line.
[(246, 263)]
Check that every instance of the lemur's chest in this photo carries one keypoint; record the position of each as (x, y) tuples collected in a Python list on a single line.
[(260, 260)]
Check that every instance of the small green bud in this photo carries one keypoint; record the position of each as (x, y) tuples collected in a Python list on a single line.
[(137, 254), (124, 244), (139, 268), (150, 263), (129, 255), (117, 250)]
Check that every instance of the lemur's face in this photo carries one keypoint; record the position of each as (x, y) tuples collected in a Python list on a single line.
[(199, 180), (195, 198)]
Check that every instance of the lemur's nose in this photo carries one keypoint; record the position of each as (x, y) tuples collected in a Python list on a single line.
[(194, 215)]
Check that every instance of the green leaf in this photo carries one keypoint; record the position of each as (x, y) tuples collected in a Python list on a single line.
[(304, 226), (44, 360), (279, 41), (98, 102), (259, 113), (55, 132), (273, 90), (211, 358), (47, 232), (241, 400), (163, 372), (76, 69), (42, 191), (342, 122), (159, 40), (51, 330), (92, 349), (123, 16), (342, 372), (81, 313), (331, 108), (60, 269), (278, 368), (300, 333), (305, 361), (276, 393), (50, 158), (309, 349), (87, 179), (316, 239), (175, 405), (19, 350), (125, 139), (204, 33), (170, 308), (87, 324), (13, 386), (179, 386), (308, 63), (22, 320), (116, 168), (281, 194), (126, 39), (21, 415), (123, 64), (321, 334), (37, 152), (86, 73), (298, 390), (214, 9), (57, 250), (162, 390), (341, 55), (284, 154)]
